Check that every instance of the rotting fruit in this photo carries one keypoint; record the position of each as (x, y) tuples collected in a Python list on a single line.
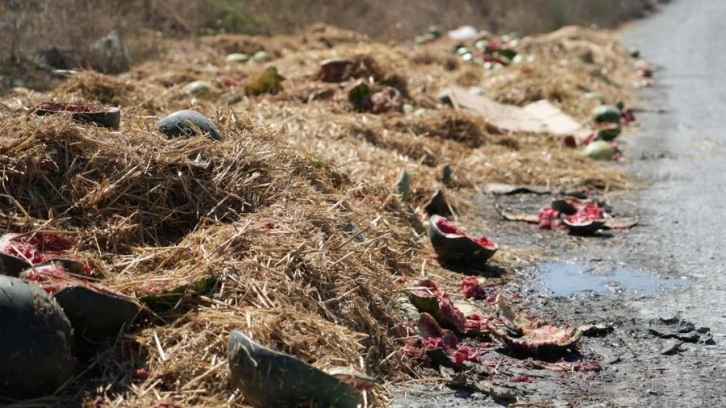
[(453, 245)]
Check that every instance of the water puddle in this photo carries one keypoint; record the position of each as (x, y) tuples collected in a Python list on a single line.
[(568, 279)]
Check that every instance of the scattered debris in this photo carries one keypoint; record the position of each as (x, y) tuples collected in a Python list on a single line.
[(537, 117), (672, 347), (270, 208), (521, 336), (681, 330), (588, 219)]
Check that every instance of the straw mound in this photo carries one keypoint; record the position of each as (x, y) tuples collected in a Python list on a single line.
[(134, 188), (294, 212), (568, 63)]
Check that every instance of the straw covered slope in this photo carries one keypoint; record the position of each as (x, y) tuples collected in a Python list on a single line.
[(295, 212)]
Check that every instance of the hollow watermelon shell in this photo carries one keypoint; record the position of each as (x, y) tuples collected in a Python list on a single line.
[(453, 245), (606, 113), (35, 341), (269, 378), (588, 219), (94, 312)]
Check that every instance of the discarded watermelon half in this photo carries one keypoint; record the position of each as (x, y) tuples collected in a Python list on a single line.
[(588, 219), (19, 252), (453, 245), (105, 116), (268, 378), (35, 341), (94, 312)]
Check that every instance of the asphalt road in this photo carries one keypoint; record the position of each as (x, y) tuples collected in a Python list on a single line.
[(685, 205), (686, 43)]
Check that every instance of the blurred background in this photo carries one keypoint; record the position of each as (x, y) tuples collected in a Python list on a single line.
[(108, 36)]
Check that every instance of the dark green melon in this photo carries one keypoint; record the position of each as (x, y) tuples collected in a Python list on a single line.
[(268, 378), (609, 133), (35, 341), (187, 123), (606, 113)]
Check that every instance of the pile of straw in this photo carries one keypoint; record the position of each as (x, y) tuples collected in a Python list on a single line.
[(274, 210)]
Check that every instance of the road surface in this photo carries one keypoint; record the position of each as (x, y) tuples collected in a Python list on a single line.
[(681, 151)]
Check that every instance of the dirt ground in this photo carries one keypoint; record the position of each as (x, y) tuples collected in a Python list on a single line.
[(652, 356)]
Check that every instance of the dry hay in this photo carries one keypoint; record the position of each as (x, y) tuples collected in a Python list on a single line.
[(567, 64), (272, 211)]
